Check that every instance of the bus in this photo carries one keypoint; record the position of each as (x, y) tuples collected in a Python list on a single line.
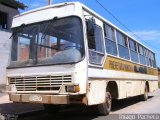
[(67, 54)]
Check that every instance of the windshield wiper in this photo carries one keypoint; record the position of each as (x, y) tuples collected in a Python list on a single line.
[(46, 30), (18, 29), (47, 46)]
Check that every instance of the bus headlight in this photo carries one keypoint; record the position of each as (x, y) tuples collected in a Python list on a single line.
[(72, 88)]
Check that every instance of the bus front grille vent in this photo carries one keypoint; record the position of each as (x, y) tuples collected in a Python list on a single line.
[(40, 83)]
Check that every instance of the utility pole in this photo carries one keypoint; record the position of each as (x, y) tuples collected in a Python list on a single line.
[(49, 2)]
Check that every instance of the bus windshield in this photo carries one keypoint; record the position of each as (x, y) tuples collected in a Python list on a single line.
[(57, 41)]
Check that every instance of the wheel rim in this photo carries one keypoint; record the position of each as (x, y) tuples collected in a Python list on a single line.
[(105, 108), (108, 100)]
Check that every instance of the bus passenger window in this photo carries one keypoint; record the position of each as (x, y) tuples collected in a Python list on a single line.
[(141, 55), (147, 57), (110, 42), (152, 59), (95, 46), (133, 51), (122, 46)]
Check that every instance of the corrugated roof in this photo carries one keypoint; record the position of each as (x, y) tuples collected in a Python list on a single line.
[(13, 3)]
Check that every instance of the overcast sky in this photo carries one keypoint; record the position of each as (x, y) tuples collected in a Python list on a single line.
[(140, 16)]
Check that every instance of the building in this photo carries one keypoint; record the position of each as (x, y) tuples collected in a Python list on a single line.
[(8, 9)]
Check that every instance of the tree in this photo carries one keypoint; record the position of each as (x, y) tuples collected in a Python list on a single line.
[(158, 69)]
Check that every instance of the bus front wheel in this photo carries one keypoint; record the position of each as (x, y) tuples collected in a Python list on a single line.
[(145, 95), (105, 108)]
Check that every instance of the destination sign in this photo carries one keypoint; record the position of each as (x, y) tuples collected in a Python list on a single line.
[(122, 65)]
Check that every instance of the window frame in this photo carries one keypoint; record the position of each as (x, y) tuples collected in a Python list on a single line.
[(114, 41), (35, 57), (105, 32), (153, 61), (97, 52), (141, 51), (125, 45), (135, 45), (133, 50), (3, 26), (125, 38)]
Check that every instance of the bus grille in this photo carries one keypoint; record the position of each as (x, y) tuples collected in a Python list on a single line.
[(40, 83)]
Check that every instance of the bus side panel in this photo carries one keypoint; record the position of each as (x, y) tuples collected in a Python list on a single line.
[(130, 88), (153, 85), (122, 89), (134, 88), (96, 92)]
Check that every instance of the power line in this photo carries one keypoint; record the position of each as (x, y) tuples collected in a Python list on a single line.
[(108, 11), (113, 16)]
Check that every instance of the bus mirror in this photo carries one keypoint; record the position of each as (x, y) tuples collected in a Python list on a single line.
[(91, 26)]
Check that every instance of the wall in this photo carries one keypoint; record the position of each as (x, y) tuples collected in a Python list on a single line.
[(5, 43)]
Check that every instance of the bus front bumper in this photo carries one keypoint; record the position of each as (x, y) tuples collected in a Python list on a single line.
[(46, 99)]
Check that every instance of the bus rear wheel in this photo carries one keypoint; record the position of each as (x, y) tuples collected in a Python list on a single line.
[(51, 109), (105, 108), (145, 95)]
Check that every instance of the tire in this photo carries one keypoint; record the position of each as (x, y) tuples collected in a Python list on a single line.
[(51, 109), (105, 108), (144, 97)]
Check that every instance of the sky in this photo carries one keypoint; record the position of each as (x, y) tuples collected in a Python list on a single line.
[(140, 16)]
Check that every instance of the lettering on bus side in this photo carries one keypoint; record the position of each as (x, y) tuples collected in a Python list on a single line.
[(150, 71), (120, 66), (129, 68), (140, 69)]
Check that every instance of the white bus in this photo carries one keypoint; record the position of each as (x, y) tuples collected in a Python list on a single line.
[(66, 54)]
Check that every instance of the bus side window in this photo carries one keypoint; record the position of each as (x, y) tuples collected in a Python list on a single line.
[(123, 46), (133, 51), (153, 62), (147, 57), (110, 42), (95, 46), (141, 55)]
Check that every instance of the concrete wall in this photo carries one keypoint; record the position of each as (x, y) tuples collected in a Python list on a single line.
[(5, 43)]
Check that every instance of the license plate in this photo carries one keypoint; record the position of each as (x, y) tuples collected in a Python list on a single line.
[(35, 98)]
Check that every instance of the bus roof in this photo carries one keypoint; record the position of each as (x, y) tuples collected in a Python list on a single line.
[(88, 10)]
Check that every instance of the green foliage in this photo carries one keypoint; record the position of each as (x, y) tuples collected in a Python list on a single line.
[(159, 83)]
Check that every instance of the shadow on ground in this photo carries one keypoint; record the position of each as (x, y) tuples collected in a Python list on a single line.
[(74, 112), (120, 104), (18, 108)]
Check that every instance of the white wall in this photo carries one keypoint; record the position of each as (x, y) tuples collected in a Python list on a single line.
[(5, 42)]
